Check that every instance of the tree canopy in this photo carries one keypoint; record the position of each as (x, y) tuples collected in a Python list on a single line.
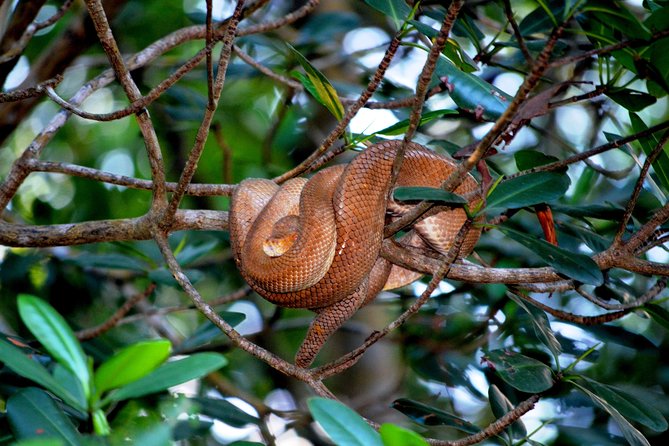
[(125, 126)]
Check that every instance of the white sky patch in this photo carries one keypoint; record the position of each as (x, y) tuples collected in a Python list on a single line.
[(18, 74), (253, 321), (369, 121), (369, 42), (120, 162)]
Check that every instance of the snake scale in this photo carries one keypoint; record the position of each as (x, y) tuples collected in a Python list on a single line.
[(314, 243)]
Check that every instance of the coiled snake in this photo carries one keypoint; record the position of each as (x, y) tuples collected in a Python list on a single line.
[(315, 243)]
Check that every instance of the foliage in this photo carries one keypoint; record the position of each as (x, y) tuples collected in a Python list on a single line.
[(554, 332)]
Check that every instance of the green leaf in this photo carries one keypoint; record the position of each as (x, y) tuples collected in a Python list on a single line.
[(33, 414), (191, 253), (661, 163), (225, 411), (500, 406), (528, 159), (343, 425), (399, 128), (419, 193), (628, 405), (130, 364), (398, 10), (528, 190), (319, 86), (431, 416), (20, 363), (392, 435), (169, 375), (109, 261), (539, 20), (208, 332), (576, 266), (631, 434), (658, 314), (66, 378), (520, 372), (632, 100), (472, 93), (542, 327), (55, 335)]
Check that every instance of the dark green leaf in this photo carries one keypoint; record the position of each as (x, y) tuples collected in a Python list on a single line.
[(392, 435), (500, 406), (528, 190), (616, 16), (343, 425), (21, 364), (631, 434), (520, 372), (593, 211), (208, 332), (33, 414), (168, 375), (631, 99), (130, 364), (163, 276), (71, 383), (661, 163), (321, 89), (225, 411), (418, 193), (400, 128), (397, 10), (594, 241), (576, 266), (472, 93), (540, 21), (528, 159), (109, 261), (190, 428), (658, 314), (190, 252), (542, 327), (431, 416), (628, 405), (55, 335)]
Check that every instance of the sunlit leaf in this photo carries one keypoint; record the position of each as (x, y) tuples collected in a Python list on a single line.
[(393, 435), (319, 86), (169, 375), (576, 266), (520, 372), (56, 336), (33, 414), (130, 364), (431, 416), (343, 425)]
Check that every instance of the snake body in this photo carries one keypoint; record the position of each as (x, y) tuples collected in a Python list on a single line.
[(315, 243)]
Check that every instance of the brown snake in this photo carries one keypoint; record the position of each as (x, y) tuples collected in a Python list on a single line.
[(315, 243)]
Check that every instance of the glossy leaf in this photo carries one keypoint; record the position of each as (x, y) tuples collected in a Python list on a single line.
[(21, 364), (319, 86), (500, 406), (527, 159), (540, 20), (632, 100), (207, 332), (520, 372), (342, 424), (419, 193), (225, 411), (628, 405), (528, 190), (631, 434), (33, 414), (573, 265), (130, 364), (169, 375), (472, 93), (431, 416), (393, 435), (399, 128), (542, 327), (397, 10), (56, 336)]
